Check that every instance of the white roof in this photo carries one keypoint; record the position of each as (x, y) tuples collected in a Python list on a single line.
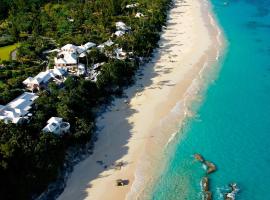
[(121, 26), (18, 108), (42, 77), (55, 120), (45, 77), (70, 51), (28, 80), (101, 46), (69, 47), (82, 55), (23, 101), (59, 71), (55, 125), (119, 33), (89, 45), (52, 127), (107, 43), (132, 5), (81, 49), (69, 58)]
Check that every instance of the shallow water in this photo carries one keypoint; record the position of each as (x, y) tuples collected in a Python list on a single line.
[(232, 124)]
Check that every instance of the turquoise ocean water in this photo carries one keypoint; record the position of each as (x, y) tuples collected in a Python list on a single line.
[(232, 124)]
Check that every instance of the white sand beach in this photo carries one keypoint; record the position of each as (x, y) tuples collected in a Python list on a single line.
[(128, 132)]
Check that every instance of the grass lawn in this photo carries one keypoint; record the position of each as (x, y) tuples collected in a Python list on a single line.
[(6, 50)]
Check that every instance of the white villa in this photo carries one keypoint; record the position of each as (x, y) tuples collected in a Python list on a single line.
[(69, 55), (43, 78), (18, 110), (57, 126)]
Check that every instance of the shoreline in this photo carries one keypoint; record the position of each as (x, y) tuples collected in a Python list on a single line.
[(207, 72), (128, 132)]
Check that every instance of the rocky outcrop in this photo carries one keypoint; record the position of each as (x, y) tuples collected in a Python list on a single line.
[(207, 195), (209, 165), (205, 182), (231, 195)]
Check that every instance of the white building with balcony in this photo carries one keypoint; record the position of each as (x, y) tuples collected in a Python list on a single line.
[(68, 56), (56, 126)]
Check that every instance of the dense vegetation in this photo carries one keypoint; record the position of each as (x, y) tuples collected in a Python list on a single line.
[(30, 159)]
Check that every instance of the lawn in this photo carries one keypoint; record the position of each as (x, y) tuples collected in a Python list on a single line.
[(6, 50)]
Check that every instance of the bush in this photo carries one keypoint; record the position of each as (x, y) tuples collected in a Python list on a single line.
[(6, 40)]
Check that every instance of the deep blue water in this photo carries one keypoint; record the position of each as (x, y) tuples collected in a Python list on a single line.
[(232, 125)]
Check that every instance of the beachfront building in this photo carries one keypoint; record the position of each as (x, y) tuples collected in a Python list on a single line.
[(68, 56), (57, 126), (17, 111), (42, 80)]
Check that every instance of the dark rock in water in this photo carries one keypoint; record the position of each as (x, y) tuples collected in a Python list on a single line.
[(231, 195), (205, 184), (210, 167), (199, 157), (207, 195)]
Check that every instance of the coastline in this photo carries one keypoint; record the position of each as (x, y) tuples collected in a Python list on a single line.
[(137, 132)]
